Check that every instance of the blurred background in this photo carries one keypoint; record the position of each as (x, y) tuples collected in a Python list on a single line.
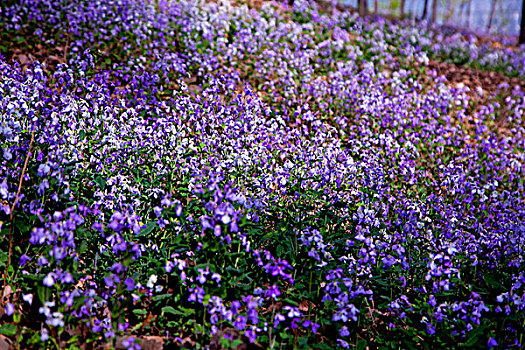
[(500, 17)]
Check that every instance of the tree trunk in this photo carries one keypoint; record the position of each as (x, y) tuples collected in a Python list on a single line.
[(424, 15), (450, 12), (468, 13), (414, 8), (434, 11), (460, 14), (522, 27), (492, 9), (402, 9), (376, 7), (362, 8)]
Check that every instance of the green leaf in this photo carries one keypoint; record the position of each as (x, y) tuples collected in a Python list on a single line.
[(236, 343), (361, 344), (232, 269), (171, 310), (8, 329), (147, 230), (161, 297), (139, 312), (41, 292), (187, 312), (83, 247), (73, 340), (492, 281), (290, 301), (101, 182), (473, 337), (181, 312), (23, 226), (303, 342), (225, 343)]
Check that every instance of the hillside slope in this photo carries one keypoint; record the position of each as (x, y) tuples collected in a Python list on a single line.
[(222, 176)]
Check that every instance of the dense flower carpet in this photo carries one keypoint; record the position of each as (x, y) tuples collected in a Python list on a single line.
[(224, 176)]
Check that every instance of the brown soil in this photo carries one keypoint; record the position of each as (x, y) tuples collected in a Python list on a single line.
[(490, 82)]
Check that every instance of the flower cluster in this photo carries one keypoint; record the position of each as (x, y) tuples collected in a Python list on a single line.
[(285, 176)]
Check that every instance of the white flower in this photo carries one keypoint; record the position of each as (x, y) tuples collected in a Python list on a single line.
[(7, 154), (28, 298), (49, 280), (151, 281)]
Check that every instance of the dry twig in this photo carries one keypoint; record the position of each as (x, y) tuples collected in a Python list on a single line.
[(11, 214)]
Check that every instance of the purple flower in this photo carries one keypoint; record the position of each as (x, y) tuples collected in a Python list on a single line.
[(216, 277), (389, 261), (169, 266), (252, 336), (430, 329), (109, 333), (240, 322), (7, 154), (66, 278), (205, 223), (492, 343), (44, 336), (24, 259), (295, 322), (272, 291), (315, 327), (115, 225), (109, 281), (278, 318), (98, 227), (129, 344), (43, 170), (197, 295), (252, 316), (235, 306), (166, 202), (130, 283), (344, 344), (293, 311), (49, 280), (10, 309), (201, 278)]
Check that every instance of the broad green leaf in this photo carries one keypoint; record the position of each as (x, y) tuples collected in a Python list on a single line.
[(171, 310), (8, 329), (147, 230), (161, 297), (139, 312), (100, 181)]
